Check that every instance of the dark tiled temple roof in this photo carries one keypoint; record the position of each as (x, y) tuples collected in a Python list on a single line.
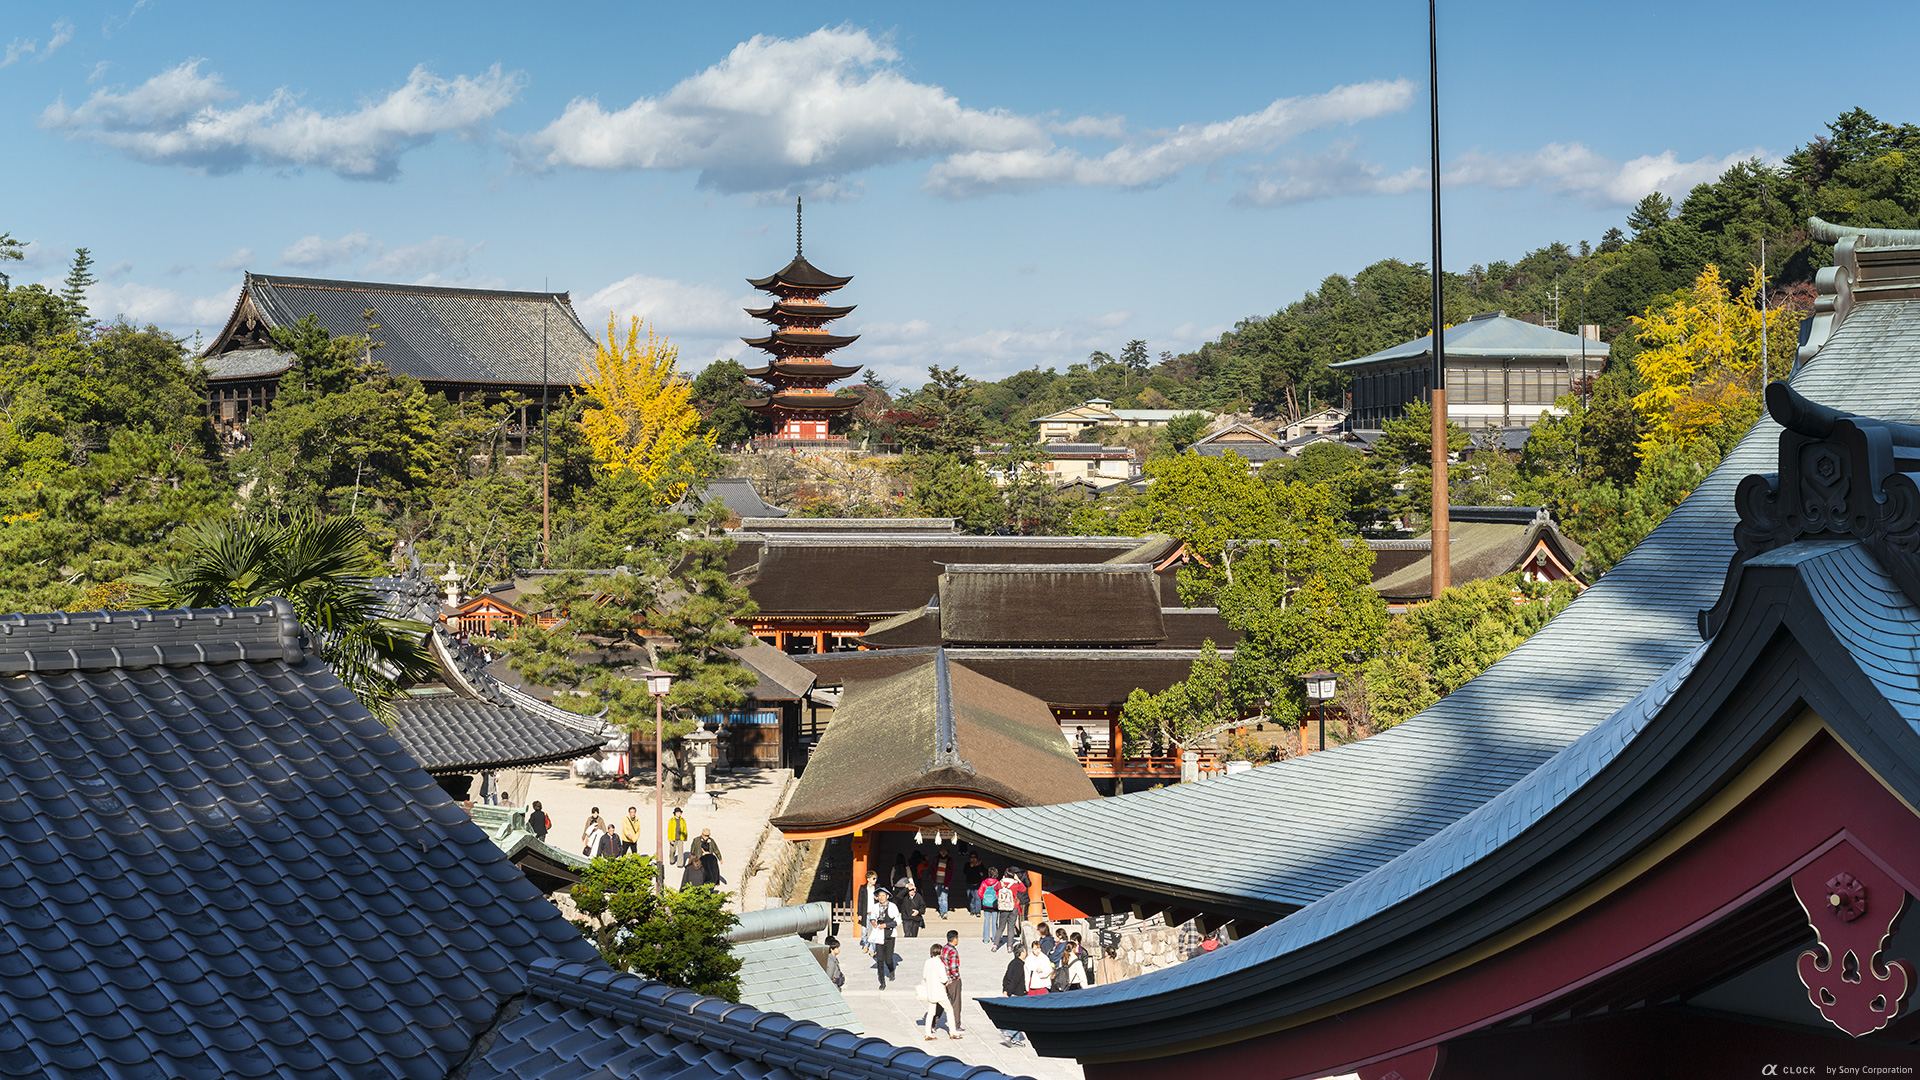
[(581, 1022), (1092, 678), (1397, 788), (937, 727), (433, 334), (1483, 542), (1060, 604), (215, 863), (887, 574), (458, 735)]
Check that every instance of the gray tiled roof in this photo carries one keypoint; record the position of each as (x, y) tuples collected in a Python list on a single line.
[(780, 974), (1393, 790), (245, 363), (450, 734), (581, 1022), (215, 863), (439, 334), (1491, 335)]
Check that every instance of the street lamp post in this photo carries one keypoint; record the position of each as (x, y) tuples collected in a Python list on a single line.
[(1321, 686), (658, 683)]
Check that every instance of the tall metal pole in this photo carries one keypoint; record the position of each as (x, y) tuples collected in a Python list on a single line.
[(1763, 314), (659, 798), (1442, 573), (546, 502)]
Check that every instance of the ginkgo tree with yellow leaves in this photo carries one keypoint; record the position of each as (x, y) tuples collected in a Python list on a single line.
[(642, 420), (1701, 369)]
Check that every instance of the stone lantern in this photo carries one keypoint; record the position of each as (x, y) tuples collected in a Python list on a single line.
[(699, 743), (451, 581)]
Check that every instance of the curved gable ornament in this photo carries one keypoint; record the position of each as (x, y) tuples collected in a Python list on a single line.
[(1840, 477), (1853, 906)]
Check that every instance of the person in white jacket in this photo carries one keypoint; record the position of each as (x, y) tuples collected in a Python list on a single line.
[(933, 991)]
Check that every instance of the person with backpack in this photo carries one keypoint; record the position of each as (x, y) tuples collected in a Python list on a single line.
[(983, 901), (1014, 984), (1009, 900)]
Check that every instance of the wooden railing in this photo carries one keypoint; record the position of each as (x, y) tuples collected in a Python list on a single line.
[(1142, 768)]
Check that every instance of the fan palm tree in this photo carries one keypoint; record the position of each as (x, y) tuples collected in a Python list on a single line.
[(323, 568)]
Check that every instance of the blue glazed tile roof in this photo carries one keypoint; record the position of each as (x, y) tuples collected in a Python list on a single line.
[(215, 863)]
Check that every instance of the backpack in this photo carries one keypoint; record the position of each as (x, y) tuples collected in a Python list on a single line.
[(1062, 975), (987, 895), (1003, 897)]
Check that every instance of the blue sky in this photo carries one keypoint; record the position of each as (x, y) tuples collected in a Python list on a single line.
[(1010, 184)]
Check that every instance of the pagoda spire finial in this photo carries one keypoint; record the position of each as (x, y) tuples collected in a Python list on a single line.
[(796, 226)]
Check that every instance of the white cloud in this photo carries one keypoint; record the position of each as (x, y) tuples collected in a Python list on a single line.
[(427, 257), (313, 252), (166, 308), (99, 71), (1573, 169), (20, 48), (238, 260), (1091, 127), (178, 118), (1330, 173), (117, 270), (675, 308), (1557, 168), (175, 269), (778, 115), (777, 112), (1144, 161), (62, 33)]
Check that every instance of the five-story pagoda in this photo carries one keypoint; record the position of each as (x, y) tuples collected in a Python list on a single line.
[(798, 372)]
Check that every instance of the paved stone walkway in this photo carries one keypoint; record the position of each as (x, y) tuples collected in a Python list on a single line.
[(894, 1014), (742, 802)]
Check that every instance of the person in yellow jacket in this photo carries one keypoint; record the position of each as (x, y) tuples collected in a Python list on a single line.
[(630, 831), (676, 835)]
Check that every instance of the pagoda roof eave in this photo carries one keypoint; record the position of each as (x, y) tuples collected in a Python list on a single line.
[(800, 274), (801, 403), (802, 369), (802, 311), (802, 341)]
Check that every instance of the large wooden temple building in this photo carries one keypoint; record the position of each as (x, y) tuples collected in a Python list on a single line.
[(799, 372), (463, 343), (1673, 834)]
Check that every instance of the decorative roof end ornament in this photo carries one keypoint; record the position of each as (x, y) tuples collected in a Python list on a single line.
[(1841, 476)]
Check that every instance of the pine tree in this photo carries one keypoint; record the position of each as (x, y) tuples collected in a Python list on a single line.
[(79, 279), (1655, 209)]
